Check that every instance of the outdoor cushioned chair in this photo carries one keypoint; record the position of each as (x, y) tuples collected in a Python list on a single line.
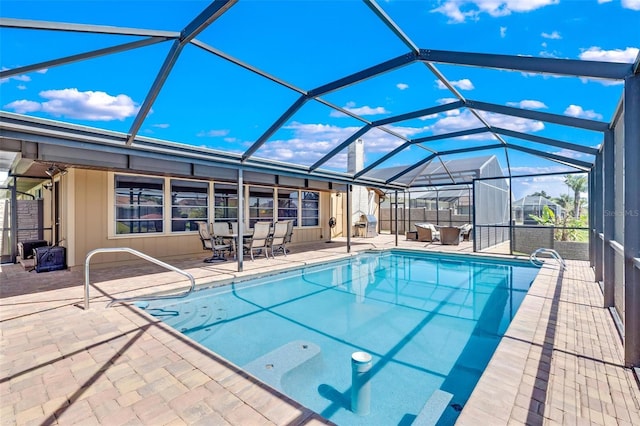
[(450, 235), (278, 239), (427, 232), (210, 243), (259, 239)]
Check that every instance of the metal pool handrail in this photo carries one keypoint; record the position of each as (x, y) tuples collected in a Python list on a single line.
[(140, 255), (533, 258)]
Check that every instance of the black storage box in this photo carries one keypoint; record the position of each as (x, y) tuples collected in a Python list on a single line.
[(52, 258), (25, 248)]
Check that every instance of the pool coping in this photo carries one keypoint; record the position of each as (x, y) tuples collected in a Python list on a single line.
[(494, 395)]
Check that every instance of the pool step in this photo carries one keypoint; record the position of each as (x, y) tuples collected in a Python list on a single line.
[(272, 367), (433, 408)]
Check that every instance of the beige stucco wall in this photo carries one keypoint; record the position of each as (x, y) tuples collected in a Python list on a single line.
[(87, 211)]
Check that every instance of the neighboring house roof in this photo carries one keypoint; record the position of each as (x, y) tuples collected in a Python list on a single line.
[(434, 173)]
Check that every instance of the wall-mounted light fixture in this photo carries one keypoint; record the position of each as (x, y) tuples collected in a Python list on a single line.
[(54, 169)]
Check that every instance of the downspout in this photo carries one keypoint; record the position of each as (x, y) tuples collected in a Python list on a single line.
[(349, 225), (240, 241)]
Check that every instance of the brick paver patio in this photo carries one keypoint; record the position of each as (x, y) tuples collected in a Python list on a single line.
[(560, 362)]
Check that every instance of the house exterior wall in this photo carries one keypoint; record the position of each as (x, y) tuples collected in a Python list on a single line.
[(88, 206)]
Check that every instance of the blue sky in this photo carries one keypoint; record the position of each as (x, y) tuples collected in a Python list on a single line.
[(209, 102)]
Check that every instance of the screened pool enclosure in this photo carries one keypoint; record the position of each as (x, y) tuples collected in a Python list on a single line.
[(213, 89)]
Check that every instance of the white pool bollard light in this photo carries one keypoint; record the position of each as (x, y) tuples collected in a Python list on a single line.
[(360, 386)]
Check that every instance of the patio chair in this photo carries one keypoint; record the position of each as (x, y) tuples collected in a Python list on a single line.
[(278, 239), (427, 232), (209, 243), (234, 227), (465, 231), (450, 235), (222, 237), (259, 239), (234, 231), (289, 235)]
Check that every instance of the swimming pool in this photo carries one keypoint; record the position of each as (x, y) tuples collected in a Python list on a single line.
[(430, 322)]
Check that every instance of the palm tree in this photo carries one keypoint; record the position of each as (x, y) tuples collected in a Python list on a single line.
[(578, 183), (564, 200)]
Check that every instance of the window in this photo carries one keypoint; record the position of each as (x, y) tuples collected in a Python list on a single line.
[(226, 202), (139, 203), (310, 208), (260, 205), (189, 203), (288, 205)]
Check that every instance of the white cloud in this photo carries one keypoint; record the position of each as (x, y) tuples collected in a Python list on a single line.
[(631, 4), (466, 120), (23, 106), (22, 77), (361, 111), (161, 125), (553, 36), (443, 101), (402, 86), (517, 124), (89, 105), (453, 12), (213, 133), (464, 84), (568, 153), (367, 110), (527, 170), (577, 111), (595, 53), (311, 142), (459, 10), (546, 54), (528, 104), (503, 32), (604, 1), (428, 117)]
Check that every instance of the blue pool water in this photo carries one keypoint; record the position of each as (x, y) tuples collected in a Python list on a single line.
[(430, 323)]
